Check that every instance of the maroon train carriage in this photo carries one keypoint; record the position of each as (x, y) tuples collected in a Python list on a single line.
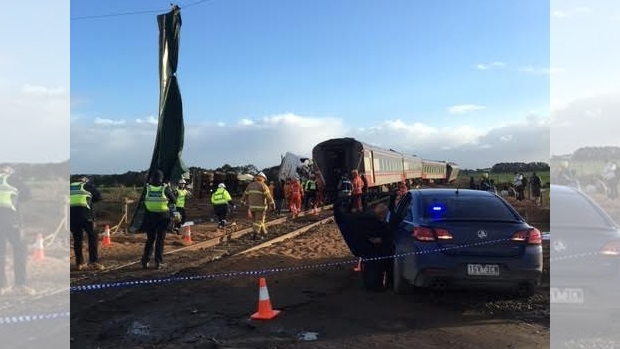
[(383, 168)]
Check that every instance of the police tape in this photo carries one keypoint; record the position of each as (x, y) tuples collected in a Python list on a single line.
[(93, 287), (8, 320)]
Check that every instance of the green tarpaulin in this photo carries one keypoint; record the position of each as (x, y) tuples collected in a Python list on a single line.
[(170, 129)]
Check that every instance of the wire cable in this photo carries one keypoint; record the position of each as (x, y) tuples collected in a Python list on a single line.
[(110, 15)]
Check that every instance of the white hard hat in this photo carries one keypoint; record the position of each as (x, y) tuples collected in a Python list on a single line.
[(182, 181), (221, 185), (261, 174)]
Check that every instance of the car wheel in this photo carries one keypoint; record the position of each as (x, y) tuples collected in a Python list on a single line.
[(400, 285)]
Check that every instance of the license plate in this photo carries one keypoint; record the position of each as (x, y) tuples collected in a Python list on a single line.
[(566, 295), (483, 269)]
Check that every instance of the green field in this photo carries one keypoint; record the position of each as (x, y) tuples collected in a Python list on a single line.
[(501, 178)]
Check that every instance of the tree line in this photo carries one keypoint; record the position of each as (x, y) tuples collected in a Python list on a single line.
[(138, 178), (41, 172), (596, 153)]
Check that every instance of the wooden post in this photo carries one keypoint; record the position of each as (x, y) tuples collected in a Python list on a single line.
[(66, 219)]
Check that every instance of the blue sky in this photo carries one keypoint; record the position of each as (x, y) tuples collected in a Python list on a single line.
[(444, 79), (34, 82)]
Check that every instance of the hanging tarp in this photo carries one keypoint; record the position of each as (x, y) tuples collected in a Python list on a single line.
[(170, 130)]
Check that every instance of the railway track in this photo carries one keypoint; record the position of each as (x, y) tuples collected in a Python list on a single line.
[(228, 242)]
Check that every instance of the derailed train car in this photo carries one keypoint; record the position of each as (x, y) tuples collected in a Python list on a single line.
[(383, 168)]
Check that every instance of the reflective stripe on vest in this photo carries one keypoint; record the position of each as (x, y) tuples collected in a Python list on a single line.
[(182, 193), (218, 197), (310, 185), (7, 193), (79, 197), (155, 200)]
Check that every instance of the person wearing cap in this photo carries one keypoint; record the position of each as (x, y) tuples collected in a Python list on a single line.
[(157, 218), (12, 193), (182, 194), (82, 196), (221, 199), (258, 197)]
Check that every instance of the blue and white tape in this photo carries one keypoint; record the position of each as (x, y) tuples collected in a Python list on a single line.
[(93, 287), (9, 320)]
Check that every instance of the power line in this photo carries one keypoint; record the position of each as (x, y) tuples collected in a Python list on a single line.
[(119, 14)]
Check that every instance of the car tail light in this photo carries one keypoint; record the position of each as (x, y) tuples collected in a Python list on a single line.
[(532, 236), (611, 248), (423, 234), (443, 234), (430, 234)]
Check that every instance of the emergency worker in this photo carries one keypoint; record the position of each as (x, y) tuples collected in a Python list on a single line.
[(12, 193), (310, 192), (157, 216), (82, 197), (356, 193), (221, 200), (287, 193), (296, 197), (485, 183), (182, 194), (258, 198)]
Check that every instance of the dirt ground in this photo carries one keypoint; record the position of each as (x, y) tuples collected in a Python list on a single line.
[(322, 306)]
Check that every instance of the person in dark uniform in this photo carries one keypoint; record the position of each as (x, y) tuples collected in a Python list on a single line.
[(157, 218), (12, 193), (368, 235), (82, 197)]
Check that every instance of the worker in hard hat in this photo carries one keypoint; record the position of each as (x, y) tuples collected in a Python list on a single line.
[(258, 197), (485, 183), (83, 195), (182, 194), (13, 192), (221, 200)]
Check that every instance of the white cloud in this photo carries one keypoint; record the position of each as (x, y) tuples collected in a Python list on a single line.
[(149, 120), (261, 141), (464, 108), (246, 122), (587, 122), (35, 125), (485, 66), (42, 90), (100, 121)]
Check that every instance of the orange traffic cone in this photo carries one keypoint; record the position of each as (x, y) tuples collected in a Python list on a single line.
[(106, 241), (38, 255), (358, 268), (187, 237), (265, 311)]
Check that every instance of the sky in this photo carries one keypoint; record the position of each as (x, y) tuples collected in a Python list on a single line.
[(462, 81), (34, 82), (585, 98)]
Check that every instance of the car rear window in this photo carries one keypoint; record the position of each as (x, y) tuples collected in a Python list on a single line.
[(466, 208), (577, 211)]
